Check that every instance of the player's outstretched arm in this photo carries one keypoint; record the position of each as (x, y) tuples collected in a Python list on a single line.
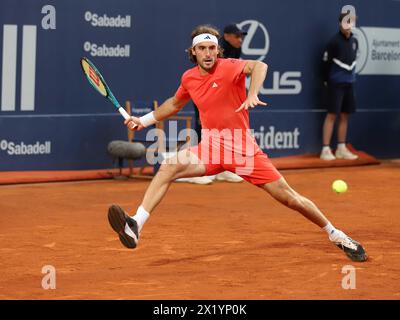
[(168, 108), (257, 70)]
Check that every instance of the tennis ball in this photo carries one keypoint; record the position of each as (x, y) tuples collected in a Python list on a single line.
[(339, 186)]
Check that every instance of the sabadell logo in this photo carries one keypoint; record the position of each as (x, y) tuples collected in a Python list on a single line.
[(21, 148)]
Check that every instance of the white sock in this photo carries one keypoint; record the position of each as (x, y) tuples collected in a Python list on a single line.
[(341, 146), (329, 228), (141, 216), (326, 148)]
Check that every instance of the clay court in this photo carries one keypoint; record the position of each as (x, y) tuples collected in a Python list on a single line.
[(222, 241)]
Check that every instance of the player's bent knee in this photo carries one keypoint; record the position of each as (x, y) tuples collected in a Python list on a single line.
[(169, 168)]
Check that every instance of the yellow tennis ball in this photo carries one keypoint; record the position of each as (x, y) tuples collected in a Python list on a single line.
[(339, 186)]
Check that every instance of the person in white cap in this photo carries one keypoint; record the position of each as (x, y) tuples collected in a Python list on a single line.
[(217, 86)]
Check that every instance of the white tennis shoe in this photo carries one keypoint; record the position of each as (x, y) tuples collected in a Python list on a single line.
[(351, 248), (344, 153), (228, 176), (196, 180), (326, 154)]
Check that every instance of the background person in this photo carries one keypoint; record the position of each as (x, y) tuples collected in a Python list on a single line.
[(339, 76)]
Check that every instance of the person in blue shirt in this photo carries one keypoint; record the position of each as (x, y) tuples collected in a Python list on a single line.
[(339, 76)]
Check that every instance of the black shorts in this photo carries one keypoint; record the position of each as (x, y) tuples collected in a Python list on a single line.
[(341, 98)]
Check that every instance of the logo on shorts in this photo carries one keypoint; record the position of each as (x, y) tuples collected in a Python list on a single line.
[(214, 85)]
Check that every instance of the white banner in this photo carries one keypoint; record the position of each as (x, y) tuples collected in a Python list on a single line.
[(379, 51)]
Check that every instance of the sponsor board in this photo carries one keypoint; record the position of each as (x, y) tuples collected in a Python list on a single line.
[(271, 138), (21, 148), (379, 51), (105, 21)]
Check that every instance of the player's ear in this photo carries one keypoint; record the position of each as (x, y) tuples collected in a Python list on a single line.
[(193, 51)]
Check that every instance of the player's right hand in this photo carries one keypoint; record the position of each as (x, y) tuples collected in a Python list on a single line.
[(250, 102), (133, 124)]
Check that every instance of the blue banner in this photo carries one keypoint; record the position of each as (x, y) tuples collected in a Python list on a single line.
[(51, 119)]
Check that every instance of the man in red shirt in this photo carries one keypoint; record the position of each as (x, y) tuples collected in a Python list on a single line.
[(217, 87)]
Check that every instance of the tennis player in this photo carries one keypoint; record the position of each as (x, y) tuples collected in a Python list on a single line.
[(217, 87)]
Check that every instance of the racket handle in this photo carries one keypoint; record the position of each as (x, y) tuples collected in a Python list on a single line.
[(125, 114)]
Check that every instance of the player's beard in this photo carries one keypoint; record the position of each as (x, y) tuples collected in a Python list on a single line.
[(207, 64)]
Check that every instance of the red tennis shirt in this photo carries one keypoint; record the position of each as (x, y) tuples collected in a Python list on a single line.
[(217, 95)]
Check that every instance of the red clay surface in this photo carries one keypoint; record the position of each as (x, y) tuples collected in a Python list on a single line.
[(223, 241)]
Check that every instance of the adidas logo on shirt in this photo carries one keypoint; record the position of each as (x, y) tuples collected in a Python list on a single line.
[(214, 85)]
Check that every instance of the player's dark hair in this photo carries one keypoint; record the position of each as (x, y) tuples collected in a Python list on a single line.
[(205, 28)]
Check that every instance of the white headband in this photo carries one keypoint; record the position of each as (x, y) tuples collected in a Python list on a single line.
[(204, 37)]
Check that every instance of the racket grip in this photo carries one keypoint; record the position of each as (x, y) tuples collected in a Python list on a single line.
[(125, 114)]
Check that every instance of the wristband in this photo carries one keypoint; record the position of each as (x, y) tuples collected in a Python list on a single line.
[(148, 119)]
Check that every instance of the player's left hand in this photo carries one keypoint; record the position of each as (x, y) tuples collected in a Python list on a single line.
[(250, 102)]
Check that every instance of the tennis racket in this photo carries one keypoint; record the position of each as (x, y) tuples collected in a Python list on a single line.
[(97, 81)]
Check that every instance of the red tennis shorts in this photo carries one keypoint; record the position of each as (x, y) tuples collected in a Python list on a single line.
[(254, 167)]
